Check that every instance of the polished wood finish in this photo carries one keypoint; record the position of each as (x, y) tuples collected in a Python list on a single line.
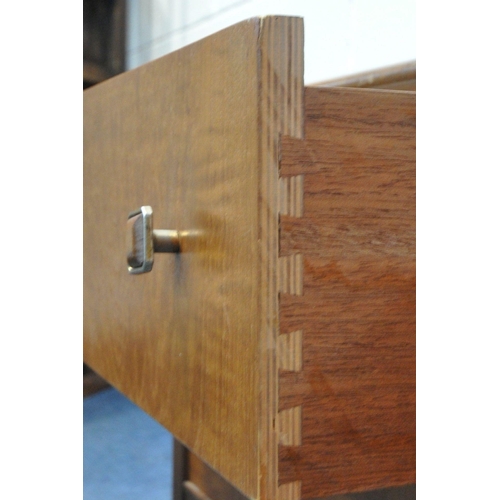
[(196, 136), (356, 309), (182, 340), (278, 346), (397, 77)]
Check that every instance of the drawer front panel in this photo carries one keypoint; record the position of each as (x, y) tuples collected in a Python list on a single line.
[(180, 134)]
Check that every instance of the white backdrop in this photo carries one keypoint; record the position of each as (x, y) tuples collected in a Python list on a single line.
[(342, 37)]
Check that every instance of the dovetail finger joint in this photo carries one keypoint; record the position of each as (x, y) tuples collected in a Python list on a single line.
[(291, 195)]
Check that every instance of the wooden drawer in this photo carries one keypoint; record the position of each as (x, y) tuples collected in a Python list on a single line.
[(279, 344)]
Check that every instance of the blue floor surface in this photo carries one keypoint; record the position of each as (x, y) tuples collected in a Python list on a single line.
[(127, 455)]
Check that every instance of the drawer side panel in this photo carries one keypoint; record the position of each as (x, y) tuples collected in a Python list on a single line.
[(356, 309)]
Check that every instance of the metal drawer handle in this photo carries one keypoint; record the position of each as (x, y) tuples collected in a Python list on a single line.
[(143, 241)]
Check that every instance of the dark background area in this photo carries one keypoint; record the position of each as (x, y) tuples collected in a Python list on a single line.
[(103, 40)]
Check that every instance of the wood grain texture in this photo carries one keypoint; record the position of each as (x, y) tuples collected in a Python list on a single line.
[(195, 134), (290, 351), (281, 112), (290, 426), (291, 191), (406, 492), (181, 134), (289, 491), (290, 274), (357, 310), (278, 345)]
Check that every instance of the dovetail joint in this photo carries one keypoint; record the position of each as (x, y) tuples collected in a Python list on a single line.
[(289, 491), (290, 351), (291, 195), (290, 426), (291, 274)]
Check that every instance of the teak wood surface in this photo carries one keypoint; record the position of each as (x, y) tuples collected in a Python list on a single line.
[(279, 344), (356, 309), (195, 135)]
